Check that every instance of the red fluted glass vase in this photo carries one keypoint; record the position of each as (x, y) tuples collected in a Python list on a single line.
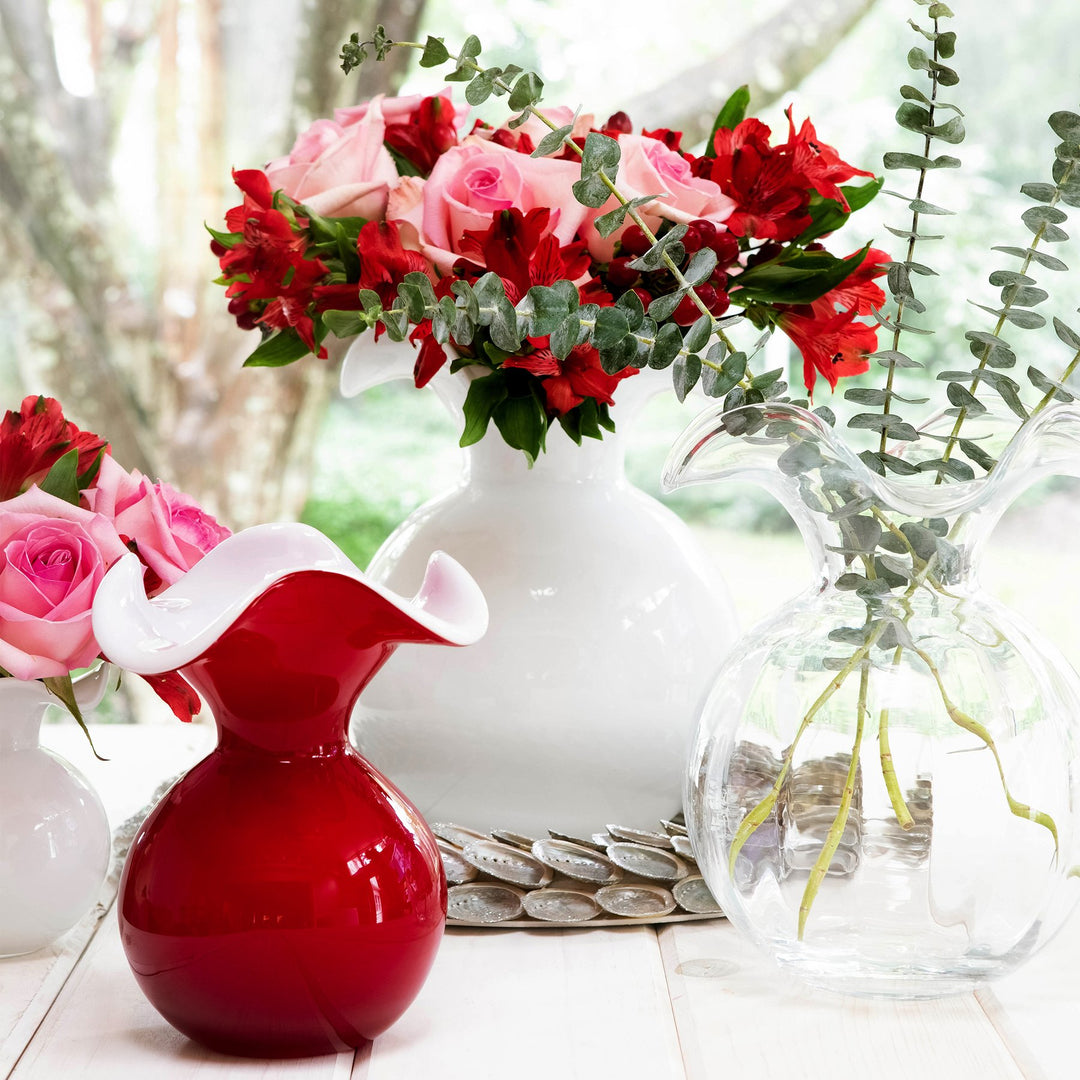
[(283, 899)]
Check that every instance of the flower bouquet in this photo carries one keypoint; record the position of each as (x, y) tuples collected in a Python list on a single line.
[(509, 250), (68, 511)]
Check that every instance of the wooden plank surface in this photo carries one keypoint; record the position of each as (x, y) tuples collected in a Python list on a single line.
[(694, 1001), (534, 1005), (734, 1007), (102, 1028)]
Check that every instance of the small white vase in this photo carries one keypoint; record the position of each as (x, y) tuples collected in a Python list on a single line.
[(54, 836), (607, 621)]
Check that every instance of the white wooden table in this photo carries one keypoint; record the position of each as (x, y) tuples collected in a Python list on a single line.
[(689, 1001)]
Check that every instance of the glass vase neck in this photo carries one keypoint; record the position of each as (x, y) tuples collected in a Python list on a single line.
[(840, 506)]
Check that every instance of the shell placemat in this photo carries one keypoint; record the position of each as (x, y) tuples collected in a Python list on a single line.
[(618, 877)]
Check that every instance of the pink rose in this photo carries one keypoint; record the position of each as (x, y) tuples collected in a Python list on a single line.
[(397, 110), (52, 558), (648, 167), (339, 170), (472, 181), (536, 129), (169, 529)]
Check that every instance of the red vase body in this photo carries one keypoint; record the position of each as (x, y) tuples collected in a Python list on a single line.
[(284, 899)]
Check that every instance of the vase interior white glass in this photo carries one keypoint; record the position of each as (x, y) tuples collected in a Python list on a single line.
[(885, 796), (607, 621)]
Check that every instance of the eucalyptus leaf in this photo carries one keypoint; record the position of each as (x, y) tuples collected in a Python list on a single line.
[(1069, 336), (1048, 261), (685, 374), (553, 141)]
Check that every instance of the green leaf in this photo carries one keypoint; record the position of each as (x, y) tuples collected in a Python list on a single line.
[(610, 328), (1069, 336), (669, 343), (685, 374), (591, 191), (892, 358), (344, 324), (541, 310), (964, 399), (600, 152), (1048, 261), (527, 91), (958, 470), (911, 93), (977, 454), (607, 223), (1043, 193), (916, 161), (897, 465), (631, 303), (62, 480), (698, 335), (435, 53), (799, 278), (1025, 320), (483, 396), (701, 265), (1045, 384), (663, 307), (1023, 295), (61, 686), (1065, 125), (481, 86), (732, 113), (565, 336), (668, 245), (522, 422), (278, 350), (1010, 277), (553, 141)]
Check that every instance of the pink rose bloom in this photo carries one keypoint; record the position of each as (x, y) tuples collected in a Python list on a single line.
[(169, 529), (339, 170), (52, 558), (472, 181), (398, 110), (648, 167), (536, 129)]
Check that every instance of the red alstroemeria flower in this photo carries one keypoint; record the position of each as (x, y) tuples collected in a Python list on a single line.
[(522, 253), (857, 292), (818, 162), (33, 439), (384, 262), (831, 342), (581, 377), (427, 134), (771, 196)]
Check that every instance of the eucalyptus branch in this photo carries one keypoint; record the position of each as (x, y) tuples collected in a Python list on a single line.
[(1009, 297)]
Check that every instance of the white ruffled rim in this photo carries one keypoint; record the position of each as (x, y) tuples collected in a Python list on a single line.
[(148, 637)]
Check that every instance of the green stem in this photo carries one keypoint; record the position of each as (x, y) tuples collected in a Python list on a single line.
[(901, 304), (836, 829), (749, 824), (888, 766), (1065, 376), (962, 720)]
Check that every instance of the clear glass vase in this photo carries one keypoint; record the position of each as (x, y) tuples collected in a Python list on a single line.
[(884, 785)]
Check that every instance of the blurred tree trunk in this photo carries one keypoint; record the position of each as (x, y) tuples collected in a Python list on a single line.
[(157, 369), (771, 58)]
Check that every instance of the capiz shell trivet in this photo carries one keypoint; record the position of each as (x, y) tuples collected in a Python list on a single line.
[(619, 877)]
